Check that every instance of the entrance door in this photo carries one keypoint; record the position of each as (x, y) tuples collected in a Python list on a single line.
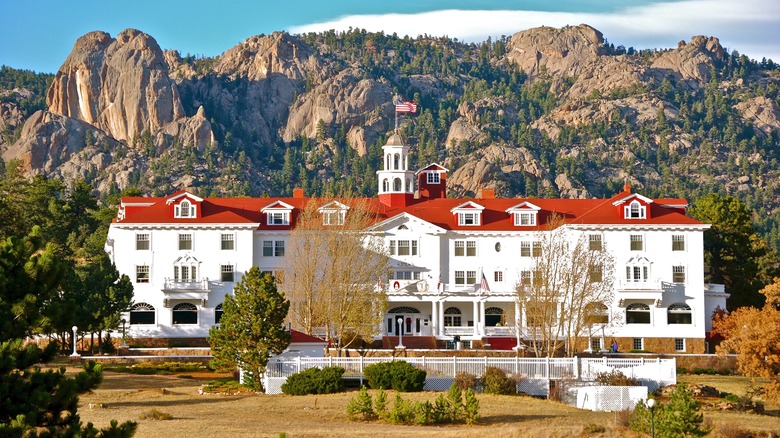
[(411, 322)]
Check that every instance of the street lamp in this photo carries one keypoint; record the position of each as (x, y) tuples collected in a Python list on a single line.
[(400, 333), (651, 406), (75, 354), (124, 344)]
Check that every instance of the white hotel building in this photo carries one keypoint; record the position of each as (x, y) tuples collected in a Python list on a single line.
[(184, 253)]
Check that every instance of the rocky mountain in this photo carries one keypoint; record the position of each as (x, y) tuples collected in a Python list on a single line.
[(546, 111)]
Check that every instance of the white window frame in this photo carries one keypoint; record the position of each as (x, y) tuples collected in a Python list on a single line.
[(595, 242), (143, 238), (433, 178), (185, 210), (227, 238), (635, 210), (470, 219), (186, 237), (525, 218), (227, 269), (278, 218), (498, 276), (638, 342), (679, 344), (143, 269), (678, 242), (634, 238), (334, 217), (677, 271)]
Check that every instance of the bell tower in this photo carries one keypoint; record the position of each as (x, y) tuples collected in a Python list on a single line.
[(396, 181)]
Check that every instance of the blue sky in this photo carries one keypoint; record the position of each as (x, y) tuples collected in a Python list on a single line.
[(39, 34)]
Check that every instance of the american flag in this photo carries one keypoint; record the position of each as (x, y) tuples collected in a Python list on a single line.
[(483, 285), (402, 106), (438, 285)]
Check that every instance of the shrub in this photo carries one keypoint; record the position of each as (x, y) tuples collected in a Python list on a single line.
[(402, 411), (154, 414), (398, 375), (592, 428), (360, 407), (495, 381), (465, 381), (681, 416), (471, 407), (424, 413), (616, 378), (315, 381)]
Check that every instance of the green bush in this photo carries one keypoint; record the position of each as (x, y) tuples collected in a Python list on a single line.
[(471, 407), (402, 411), (398, 375), (495, 381), (680, 416), (315, 381)]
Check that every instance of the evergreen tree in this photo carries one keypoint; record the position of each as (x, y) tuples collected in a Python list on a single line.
[(252, 327)]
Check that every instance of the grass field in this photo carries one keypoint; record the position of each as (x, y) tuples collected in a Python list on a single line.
[(130, 397)]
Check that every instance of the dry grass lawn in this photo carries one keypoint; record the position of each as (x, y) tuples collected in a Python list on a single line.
[(127, 397)]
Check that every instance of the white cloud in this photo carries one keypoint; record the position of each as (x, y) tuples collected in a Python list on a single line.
[(750, 26)]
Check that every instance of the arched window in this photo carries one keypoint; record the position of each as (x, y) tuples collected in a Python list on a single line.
[(493, 316), (385, 185), (185, 313), (387, 162), (679, 313), (408, 185), (217, 313), (185, 269), (141, 313), (184, 208), (638, 313), (397, 185), (396, 162), (452, 317), (403, 309), (596, 313), (638, 270), (635, 210)]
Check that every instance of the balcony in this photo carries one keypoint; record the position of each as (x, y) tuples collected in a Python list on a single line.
[(175, 289), (410, 286)]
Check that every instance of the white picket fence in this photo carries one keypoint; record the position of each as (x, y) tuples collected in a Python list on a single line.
[(535, 373)]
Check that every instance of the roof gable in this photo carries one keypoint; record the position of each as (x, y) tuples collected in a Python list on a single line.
[(523, 206), (183, 194), (405, 219), (278, 206), (467, 206), (432, 167), (630, 197)]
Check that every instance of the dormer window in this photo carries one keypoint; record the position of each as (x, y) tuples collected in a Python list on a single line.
[(434, 178), (334, 213), (185, 210), (635, 210), (468, 218), (278, 218), (278, 213), (525, 218)]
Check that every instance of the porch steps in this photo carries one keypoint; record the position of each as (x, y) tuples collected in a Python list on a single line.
[(410, 342), (502, 343)]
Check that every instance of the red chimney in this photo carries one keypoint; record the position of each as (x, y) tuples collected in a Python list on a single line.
[(297, 193), (627, 188), (488, 193)]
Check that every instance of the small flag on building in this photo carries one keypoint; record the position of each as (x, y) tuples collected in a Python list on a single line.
[(402, 106), (379, 283), (438, 285), (483, 285)]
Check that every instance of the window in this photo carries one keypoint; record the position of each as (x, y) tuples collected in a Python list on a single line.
[(638, 344), (217, 313), (465, 277), (452, 317), (465, 248), (536, 314), (596, 313), (494, 316), (678, 274), (636, 242), (405, 275), (185, 313), (333, 217), (227, 273), (595, 344), (638, 270), (185, 242), (638, 313), (528, 249), (468, 218), (142, 274), (678, 242), (278, 217), (434, 178), (228, 241), (525, 278), (679, 313), (184, 210), (679, 344), (525, 218), (404, 247), (594, 242), (142, 242), (635, 210), (595, 273), (498, 276), (141, 313), (397, 184), (273, 248)]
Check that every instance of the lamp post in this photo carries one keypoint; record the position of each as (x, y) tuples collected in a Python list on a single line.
[(400, 333), (651, 406), (124, 343), (75, 354)]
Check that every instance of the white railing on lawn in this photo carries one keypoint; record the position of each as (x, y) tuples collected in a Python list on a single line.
[(650, 372)]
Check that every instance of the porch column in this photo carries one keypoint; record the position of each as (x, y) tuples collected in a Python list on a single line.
[(475, 306), (518, 319), (435, 318), (440, 319)]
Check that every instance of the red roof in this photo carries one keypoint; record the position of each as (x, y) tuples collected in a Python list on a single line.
[(303, 338), (436, 211)]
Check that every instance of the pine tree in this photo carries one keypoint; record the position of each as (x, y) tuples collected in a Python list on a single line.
[(252, 327)]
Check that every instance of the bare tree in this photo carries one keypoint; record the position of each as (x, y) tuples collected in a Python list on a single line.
[(569, 286), (332, 269)]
